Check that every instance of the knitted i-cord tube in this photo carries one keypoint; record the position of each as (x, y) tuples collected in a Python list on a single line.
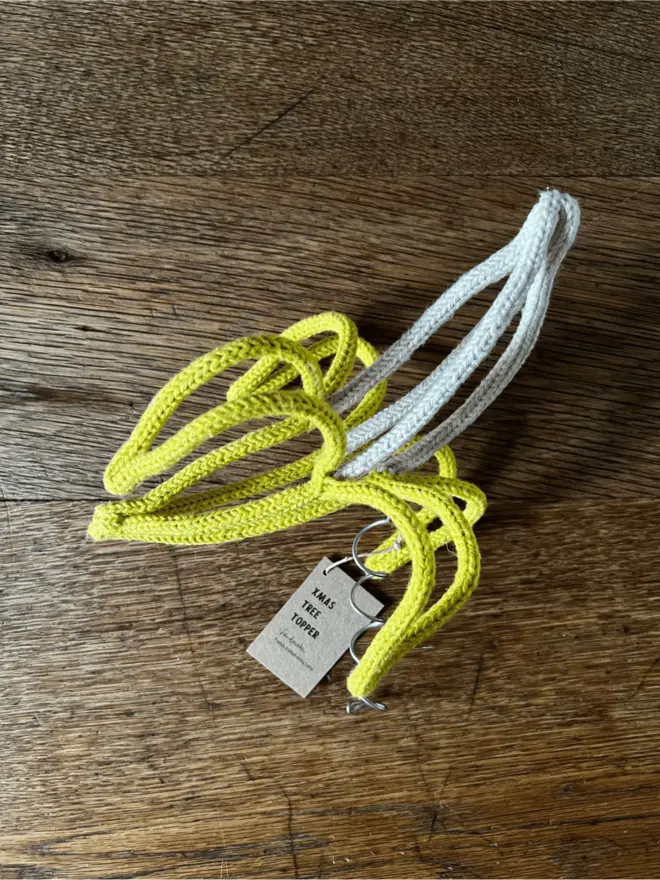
[(165, 515), (531, 262)]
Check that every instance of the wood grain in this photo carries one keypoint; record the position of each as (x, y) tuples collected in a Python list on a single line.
[(140, 739), (330, 87), (109, 288), (175, 175)]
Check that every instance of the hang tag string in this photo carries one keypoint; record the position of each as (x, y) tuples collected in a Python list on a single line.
[(531, 261)]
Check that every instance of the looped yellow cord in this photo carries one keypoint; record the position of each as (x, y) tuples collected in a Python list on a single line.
[(135, 461), (388, 647), (344, 347), (165, 514)]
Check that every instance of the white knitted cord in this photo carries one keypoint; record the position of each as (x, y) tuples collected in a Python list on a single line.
[(506, 367), (531, 261)]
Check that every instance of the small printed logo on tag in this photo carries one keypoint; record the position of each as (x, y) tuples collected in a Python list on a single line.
[(313, 629)]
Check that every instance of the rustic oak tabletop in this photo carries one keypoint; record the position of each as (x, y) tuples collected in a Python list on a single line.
[(175, 175)]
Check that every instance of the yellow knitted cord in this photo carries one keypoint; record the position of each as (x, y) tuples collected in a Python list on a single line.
[(166, 514), (135, 461), (391, 644)]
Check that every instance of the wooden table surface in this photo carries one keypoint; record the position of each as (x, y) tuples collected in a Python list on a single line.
[(175, 175)]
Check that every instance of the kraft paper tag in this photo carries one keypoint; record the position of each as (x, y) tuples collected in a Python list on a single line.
[(313, 629)]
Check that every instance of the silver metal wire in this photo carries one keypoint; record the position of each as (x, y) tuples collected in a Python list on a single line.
[(356, 607), (373, 624), (357, 704), (356, 543), (395, 546)]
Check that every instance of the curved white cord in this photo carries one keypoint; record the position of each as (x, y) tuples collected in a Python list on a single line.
[(531, 260)]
